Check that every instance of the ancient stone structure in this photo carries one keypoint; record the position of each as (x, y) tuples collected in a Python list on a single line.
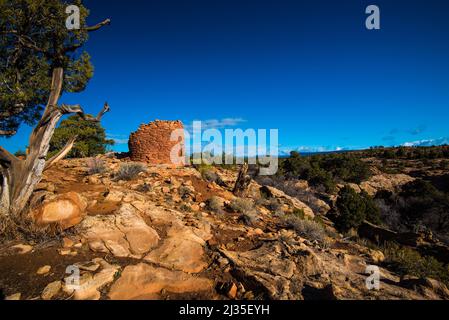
[(152, 143)]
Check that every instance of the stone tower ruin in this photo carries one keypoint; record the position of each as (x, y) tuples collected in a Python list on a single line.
[(151, 143)]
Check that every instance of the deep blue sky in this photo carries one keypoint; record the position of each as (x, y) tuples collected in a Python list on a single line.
[(308, 68)]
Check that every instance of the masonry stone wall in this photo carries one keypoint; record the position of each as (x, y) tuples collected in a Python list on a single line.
[(151, 143)]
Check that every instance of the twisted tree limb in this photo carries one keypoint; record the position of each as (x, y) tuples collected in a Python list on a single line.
[(19, 177), (7, 133), (61, 154), (98, 25)]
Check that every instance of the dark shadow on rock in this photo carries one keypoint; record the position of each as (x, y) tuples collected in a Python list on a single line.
[(316, 294)]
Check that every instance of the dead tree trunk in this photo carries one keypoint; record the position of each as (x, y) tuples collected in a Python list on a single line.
[(18, 178), (243, 181)]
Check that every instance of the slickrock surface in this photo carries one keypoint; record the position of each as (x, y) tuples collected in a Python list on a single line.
[(160, 236)]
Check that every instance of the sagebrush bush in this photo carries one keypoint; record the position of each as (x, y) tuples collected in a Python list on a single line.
[(210, 175), (129, 171), (214, 204), (248, 210), (307, 229), (185, 191), (95, 166), (241, 205), (250, 218)]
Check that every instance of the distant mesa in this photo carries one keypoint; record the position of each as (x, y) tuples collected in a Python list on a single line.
[(152, 143)]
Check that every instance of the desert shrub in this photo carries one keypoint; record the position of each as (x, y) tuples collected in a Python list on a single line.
[(407, 261), (422, 203), (185, 191), (214, 204), (325, 170), (354, 208), (419, 205), (91, 139), (299, 213), (210, 175), (247, 208), (250, 218), (307, 229), (241, 205), (95, 166), (129, 171)]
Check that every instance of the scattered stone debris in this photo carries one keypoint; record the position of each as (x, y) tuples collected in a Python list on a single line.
[(171, 234)]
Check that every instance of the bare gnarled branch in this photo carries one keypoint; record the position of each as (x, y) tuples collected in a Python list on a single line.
[(6, 158), (67, 109), (99, 25), (61, 154)]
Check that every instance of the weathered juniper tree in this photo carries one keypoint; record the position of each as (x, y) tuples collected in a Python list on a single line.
[(40, 58)]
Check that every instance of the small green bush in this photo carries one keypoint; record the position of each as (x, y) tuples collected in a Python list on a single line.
[(325, 170), (129, 171), (91, 139), (354, 208), (299, 213), (247, 208), (407, 261)]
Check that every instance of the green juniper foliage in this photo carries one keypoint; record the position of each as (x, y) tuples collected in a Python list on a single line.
[(33, 41), (325, 170), (354, 208), (91, 138)]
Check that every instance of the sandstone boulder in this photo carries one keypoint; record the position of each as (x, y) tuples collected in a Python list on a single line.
[(51, 290), (144, 282), (66, 210), (271, 192), (276, 274), (388, 182), (89, 286), (182, 250), (124, 235)]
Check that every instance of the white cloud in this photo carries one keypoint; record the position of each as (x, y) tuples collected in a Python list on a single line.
[(427, 143), (217, 123)]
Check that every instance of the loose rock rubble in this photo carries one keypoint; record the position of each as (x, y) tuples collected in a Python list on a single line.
[(158, 237)]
